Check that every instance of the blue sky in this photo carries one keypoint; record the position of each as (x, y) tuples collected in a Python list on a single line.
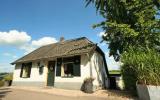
[(28, 24)]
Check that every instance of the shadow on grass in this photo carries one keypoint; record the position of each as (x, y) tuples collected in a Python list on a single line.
[(4, 91)]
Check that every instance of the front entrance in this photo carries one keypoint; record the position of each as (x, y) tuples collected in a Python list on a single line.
[(51, 73)]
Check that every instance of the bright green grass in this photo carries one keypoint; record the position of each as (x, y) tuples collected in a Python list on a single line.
[(114, 72)]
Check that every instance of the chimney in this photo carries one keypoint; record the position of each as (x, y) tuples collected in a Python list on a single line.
[(61, 39)]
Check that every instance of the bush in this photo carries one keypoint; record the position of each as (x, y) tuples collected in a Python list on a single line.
[(140, 66), (8, 77), (1, 83)]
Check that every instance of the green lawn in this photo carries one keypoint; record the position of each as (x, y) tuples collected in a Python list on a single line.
[(114, 72)]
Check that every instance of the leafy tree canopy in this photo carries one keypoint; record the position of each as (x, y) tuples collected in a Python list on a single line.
[(129, 23)]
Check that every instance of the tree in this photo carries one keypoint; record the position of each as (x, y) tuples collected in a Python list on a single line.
[(129, 23)]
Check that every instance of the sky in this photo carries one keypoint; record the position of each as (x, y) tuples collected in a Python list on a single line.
[(28, 24)]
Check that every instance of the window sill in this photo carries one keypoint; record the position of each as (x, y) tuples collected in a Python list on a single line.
[(25, 77), (67, 76)]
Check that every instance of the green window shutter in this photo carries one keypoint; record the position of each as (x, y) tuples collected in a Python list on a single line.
[(30, 67), (58, 67), (76, 70), (22, 69), (77, 67)]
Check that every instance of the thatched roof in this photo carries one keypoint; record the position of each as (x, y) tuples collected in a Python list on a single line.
[(66, 48)]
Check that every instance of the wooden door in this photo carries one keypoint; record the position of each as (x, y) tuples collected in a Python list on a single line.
[(51, 73)]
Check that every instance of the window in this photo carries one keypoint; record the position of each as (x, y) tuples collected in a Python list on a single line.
[(41, 67), (68, 67), (26, 70)]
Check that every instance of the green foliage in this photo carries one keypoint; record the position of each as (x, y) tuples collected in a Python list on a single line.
[(1, 83), (8, 77), (129, 23), (140, 66), (5, 77), (114, 72), (132, 23)]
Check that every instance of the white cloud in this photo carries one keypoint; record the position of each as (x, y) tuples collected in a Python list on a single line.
[(9, 55), (111, 63), (29, 47), (14, 38), (22, 41), (101, 34), (6, 67), (6, 54), (15, 56), (103, 44), (43, 41)]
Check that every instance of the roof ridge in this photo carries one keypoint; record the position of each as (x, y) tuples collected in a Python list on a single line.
[(69, 40)]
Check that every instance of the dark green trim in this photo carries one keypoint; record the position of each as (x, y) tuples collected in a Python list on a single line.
[(67, 76)]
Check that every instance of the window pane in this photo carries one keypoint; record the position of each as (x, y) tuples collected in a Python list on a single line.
[(68, 69), (26, 70)]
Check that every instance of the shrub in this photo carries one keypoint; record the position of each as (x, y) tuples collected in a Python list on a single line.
[(140, 66), (1, 83), (8, 77)]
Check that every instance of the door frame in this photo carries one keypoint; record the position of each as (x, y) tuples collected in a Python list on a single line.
[(54, 69)]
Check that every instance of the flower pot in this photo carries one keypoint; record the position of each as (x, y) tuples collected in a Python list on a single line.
[(148, 92)]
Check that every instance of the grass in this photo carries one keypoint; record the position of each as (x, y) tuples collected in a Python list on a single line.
[(114, 72), (5, 77)]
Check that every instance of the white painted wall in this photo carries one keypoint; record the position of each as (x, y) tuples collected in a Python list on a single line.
[(120, 83), (98, 70), (34, 76)]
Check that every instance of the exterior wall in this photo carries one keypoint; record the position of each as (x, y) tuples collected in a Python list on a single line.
[(91, 66), (119, 83), (35, 78), (98, 71), (76, 81)]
